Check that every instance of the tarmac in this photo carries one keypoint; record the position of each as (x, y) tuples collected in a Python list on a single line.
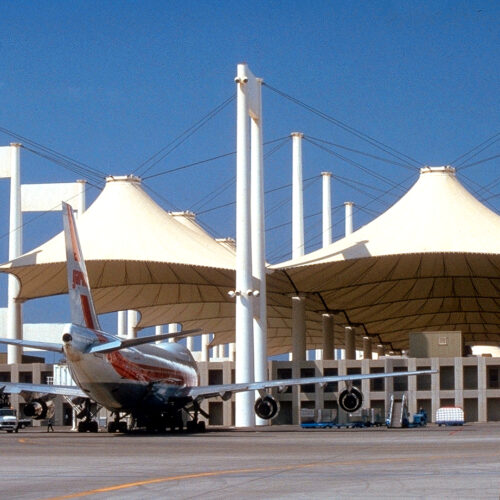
[(271, 462)]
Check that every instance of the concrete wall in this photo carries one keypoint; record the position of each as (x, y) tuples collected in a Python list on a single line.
[(436, 344)]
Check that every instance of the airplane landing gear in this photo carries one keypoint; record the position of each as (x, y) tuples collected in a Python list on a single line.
[(86, 415), (116, 425), (195, 425), (88, 426)]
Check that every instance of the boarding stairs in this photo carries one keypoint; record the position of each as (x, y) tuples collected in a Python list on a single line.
[(398, 412)]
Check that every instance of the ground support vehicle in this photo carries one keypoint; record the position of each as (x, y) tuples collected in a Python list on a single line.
[(8, 420)]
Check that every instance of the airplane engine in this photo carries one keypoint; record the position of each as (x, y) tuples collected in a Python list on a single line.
[(351, 400), (266, 407), (40, 409)]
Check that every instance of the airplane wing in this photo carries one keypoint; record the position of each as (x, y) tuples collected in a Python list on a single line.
[(56, 390), (226, 390)]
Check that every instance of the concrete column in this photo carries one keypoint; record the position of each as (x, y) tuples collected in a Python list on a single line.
[(244, 371), (380, 350), (412, 387), (459, 382), (367, 348), (211, 350), (350, 345), (348, 217), (159, 331), (296, 395), (435, 388), (327, 209), (173, 328), (328, 336), (365, 384), (204, 346), (190, 343), (227, 405), (299, 328), (37, 374), (232, 352), (342, 370), (482, 410), (388, 382), (132, 320), (14, 314), (121, 323)]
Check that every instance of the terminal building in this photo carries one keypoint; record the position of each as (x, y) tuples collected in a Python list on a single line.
[(471, 383)]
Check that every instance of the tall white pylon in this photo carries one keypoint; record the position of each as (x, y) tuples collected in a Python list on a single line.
[(327, 325), (327, 208), (348, 217), (248, 105), (298, 246), (258, 245), (297, 196), (14, 318)]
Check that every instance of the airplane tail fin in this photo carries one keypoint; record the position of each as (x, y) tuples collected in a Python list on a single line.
[(80, 297)]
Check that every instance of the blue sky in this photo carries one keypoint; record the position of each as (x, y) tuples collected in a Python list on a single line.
[(111, 83)]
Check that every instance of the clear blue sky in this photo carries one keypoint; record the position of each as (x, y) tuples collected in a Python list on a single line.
[(110, 83)]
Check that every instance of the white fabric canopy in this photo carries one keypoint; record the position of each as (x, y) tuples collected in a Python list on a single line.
[(132, 248), (430, 262)]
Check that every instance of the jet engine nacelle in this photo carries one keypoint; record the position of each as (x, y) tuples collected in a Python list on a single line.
[(266, 407), (40, 409), (351, 400)]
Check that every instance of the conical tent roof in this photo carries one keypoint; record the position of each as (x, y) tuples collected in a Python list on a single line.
[(132, 248), (430, 262)]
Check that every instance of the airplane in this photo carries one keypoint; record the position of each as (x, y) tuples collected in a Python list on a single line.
[(154, 384)]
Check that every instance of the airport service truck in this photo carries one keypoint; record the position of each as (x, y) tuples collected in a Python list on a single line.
[(8, 420)]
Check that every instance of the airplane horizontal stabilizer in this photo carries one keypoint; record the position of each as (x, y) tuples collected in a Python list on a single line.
[(33, 344), (116, 345)]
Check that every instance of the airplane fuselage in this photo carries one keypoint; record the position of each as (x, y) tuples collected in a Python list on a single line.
[(136, 379)]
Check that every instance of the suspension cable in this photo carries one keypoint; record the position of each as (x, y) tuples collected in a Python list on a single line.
[(374, 142), (66, 162), (475, 148), (180, 139), (368, 155), (352, 162)]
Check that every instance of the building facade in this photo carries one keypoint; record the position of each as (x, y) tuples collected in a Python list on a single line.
[(472, 383)]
